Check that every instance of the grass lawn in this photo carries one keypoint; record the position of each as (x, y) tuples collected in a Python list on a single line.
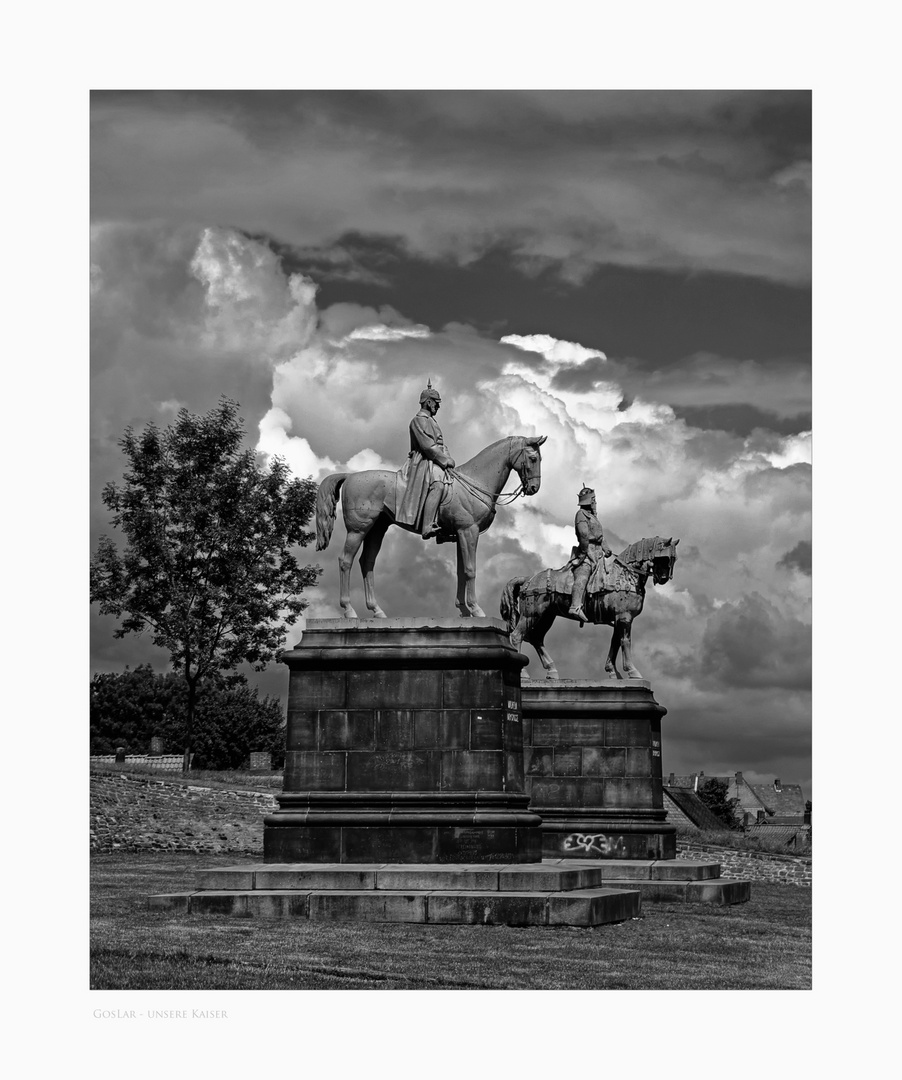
[(764, 944)]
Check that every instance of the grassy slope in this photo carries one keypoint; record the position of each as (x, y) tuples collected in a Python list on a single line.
[(764, 944), (236, 780)]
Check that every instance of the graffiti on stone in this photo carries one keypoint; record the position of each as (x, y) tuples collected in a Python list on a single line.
[(595, 843)]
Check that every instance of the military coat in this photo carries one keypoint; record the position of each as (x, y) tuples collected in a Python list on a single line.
[(427, 453), (590, 535)]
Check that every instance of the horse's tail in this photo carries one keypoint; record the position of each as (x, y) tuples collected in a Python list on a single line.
[(326, 499), (510, 601)]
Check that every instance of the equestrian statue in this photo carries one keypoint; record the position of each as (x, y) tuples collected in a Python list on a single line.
[(430, 495), (595, 586)]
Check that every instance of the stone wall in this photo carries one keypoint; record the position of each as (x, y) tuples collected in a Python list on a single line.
[(131, 813), (751, 865)]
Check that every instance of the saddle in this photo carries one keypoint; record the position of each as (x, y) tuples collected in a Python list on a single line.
[(609, 575)]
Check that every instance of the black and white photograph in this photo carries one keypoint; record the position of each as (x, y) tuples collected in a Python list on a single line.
[(451, 549), (428, 428)]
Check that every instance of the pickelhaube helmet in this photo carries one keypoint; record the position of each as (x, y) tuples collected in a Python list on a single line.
[(430, 393), (586, 496)]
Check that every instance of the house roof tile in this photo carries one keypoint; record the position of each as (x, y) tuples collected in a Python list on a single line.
[(694, 809), (789, 800)]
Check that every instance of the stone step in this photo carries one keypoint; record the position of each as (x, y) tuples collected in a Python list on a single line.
[(647, 869), (525, 877), (576, 907), (713, 891)]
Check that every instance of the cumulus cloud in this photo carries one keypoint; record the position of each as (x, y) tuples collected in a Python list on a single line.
[(559, 352), (247, 299), (798, 558), (179, 316)]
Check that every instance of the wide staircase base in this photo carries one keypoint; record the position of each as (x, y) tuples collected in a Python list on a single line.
[(672, 880), (540, 894)]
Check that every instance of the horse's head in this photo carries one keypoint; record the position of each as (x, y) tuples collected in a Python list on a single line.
[(663, 559), (526, 460)]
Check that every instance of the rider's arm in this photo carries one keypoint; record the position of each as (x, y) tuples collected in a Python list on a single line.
[(582, 536), (430, 447)]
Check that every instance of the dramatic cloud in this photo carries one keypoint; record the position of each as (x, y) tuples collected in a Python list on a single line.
[(696, 180), (799, 558), (749, 643)]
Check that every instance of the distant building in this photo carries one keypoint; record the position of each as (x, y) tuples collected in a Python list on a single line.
[(785, 803), (685, 808), (759, 805)]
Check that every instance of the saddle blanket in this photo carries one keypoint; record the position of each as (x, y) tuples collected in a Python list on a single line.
[(608, 576)]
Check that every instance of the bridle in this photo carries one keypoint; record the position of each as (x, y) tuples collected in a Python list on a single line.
[(503, 498)]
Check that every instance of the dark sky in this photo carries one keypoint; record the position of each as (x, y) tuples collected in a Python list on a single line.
[(645, 257)]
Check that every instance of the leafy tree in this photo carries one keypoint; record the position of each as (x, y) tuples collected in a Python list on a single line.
[(231, 720), (714, 794), (207, 567), (127, 709)]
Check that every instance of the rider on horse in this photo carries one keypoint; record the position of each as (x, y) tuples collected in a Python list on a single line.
[(424, 470), (590, 548)]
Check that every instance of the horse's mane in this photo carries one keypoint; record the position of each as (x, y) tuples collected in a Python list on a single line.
[(640, 551), (487, 450)]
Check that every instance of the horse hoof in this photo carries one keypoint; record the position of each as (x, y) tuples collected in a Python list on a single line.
[(350, 613), (379, 614)]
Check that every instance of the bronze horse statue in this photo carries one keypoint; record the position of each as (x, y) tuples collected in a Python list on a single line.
[(530, 605), (369, 502)]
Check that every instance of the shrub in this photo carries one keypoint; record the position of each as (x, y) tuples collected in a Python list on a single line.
[(231, 719)]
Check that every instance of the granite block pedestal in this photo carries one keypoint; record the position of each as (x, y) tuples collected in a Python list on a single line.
[(404, 744), (593, 769)]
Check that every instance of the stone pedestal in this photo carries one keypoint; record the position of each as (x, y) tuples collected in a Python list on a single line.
[(404, 744), (593, 769)]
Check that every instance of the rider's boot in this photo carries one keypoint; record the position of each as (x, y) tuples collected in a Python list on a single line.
[(580, 581), (430, 512)]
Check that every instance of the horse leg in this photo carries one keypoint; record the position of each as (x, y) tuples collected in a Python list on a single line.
[(345, 561), (461, 584), (467, 540), (631, 670), (371, 545), (543, 625), (610, 664)]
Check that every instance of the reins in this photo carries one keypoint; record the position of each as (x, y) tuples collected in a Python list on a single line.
[(503, 498)]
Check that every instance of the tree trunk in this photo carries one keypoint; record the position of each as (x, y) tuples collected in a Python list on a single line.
[(189, 727)]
